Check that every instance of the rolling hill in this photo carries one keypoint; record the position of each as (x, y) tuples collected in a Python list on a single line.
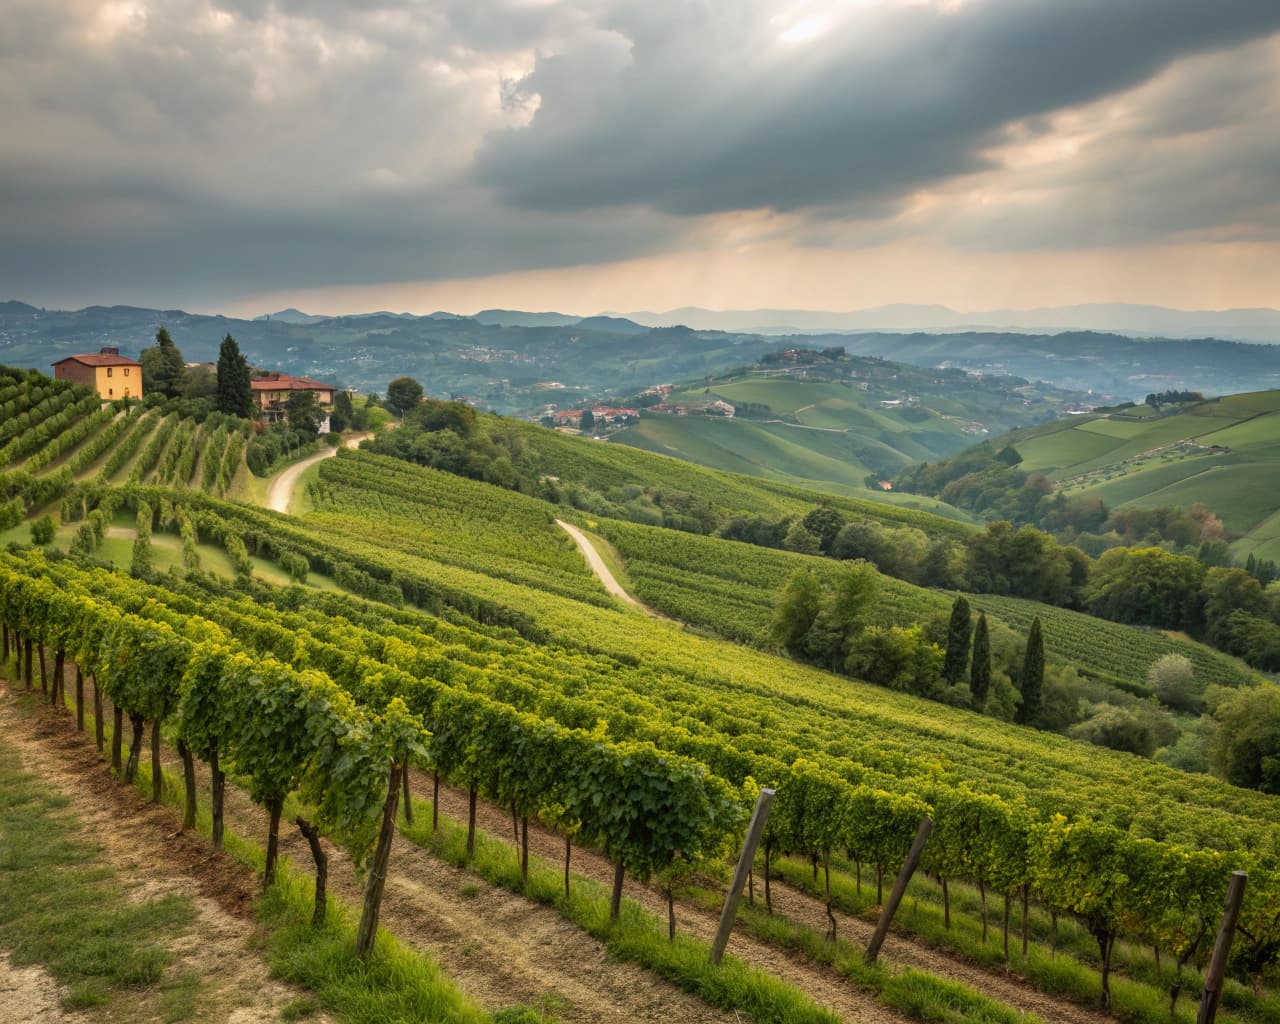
[(458, 614), (842, 425), (1224, 452)]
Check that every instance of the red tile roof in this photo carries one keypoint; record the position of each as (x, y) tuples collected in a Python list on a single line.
[(283, 382), (98, 359)]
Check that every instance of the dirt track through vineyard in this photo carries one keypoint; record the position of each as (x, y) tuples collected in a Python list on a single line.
[(140, 843), (789, 901), (503, 949), (499, 947)]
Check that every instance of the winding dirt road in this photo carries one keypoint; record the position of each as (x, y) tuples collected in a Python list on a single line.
[(601, 570), (280, 493)]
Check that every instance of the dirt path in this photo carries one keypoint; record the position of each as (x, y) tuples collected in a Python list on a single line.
[(799, 906), (791, 903), (280, 491), (140, 843), (822, 985), (500, 948), (601, 570), (28, 995)]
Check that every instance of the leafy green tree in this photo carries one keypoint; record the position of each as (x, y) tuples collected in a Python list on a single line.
[(1226, 591), (800, 540), (1116, 728), (797, 608), (1173, 680), (588, 422), (202, 382), (1031, 682), (1147, 586), (163, 368), (304, 412), (842, 617), (403, 394), (1246, 749), (825, 523), (980, 668), (958, 636), (235, 392), (42, 530)]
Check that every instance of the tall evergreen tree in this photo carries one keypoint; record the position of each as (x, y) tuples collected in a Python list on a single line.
[(343, 411), (958, 634), (235, 395), (1032, 681), (980, 670), (163, 368)]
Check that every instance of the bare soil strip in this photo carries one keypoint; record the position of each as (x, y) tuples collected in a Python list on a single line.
[(140, 843), (501, 948), (823, 985), (790, 902)]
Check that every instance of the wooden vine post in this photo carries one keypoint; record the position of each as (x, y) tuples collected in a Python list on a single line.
[(1222, 949), (759, 818), (899, 889)]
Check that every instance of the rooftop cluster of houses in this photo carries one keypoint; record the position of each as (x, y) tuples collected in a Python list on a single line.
[(718, 407), (115, 376), (604, 415)]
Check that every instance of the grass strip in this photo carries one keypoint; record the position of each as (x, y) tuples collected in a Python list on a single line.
[(1061, 973), (641, 937), (395, 984), (914, 993), (62, 908)]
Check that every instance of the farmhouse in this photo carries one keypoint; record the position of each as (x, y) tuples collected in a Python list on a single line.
[(272, 391), (107, 372)]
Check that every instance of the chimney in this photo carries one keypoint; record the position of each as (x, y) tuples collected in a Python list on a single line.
[(108, 350)]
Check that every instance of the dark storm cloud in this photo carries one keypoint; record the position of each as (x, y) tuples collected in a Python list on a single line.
[(223, 146), (885, 102)]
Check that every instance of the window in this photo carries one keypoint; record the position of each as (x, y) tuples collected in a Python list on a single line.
[(110, 392), (126, 371), (108, 371)]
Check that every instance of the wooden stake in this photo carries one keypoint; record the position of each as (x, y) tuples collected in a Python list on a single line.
[(189, 786), (615, 898), (899, 889), (408, 798), (1222, 949), (759, 817), (79, 699), (471, 822)]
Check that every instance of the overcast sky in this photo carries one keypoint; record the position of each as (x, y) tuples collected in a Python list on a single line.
[(582, 155)]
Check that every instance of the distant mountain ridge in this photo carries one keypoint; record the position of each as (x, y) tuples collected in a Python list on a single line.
[(521, 362), (1258, 325)]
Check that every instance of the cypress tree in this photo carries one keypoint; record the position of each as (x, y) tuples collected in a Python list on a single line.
[(235, 396), (1032, 675), (163, 368), (980, 672), (958, 633)]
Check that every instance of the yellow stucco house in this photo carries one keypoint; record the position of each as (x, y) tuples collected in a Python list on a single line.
[(107, 372)]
